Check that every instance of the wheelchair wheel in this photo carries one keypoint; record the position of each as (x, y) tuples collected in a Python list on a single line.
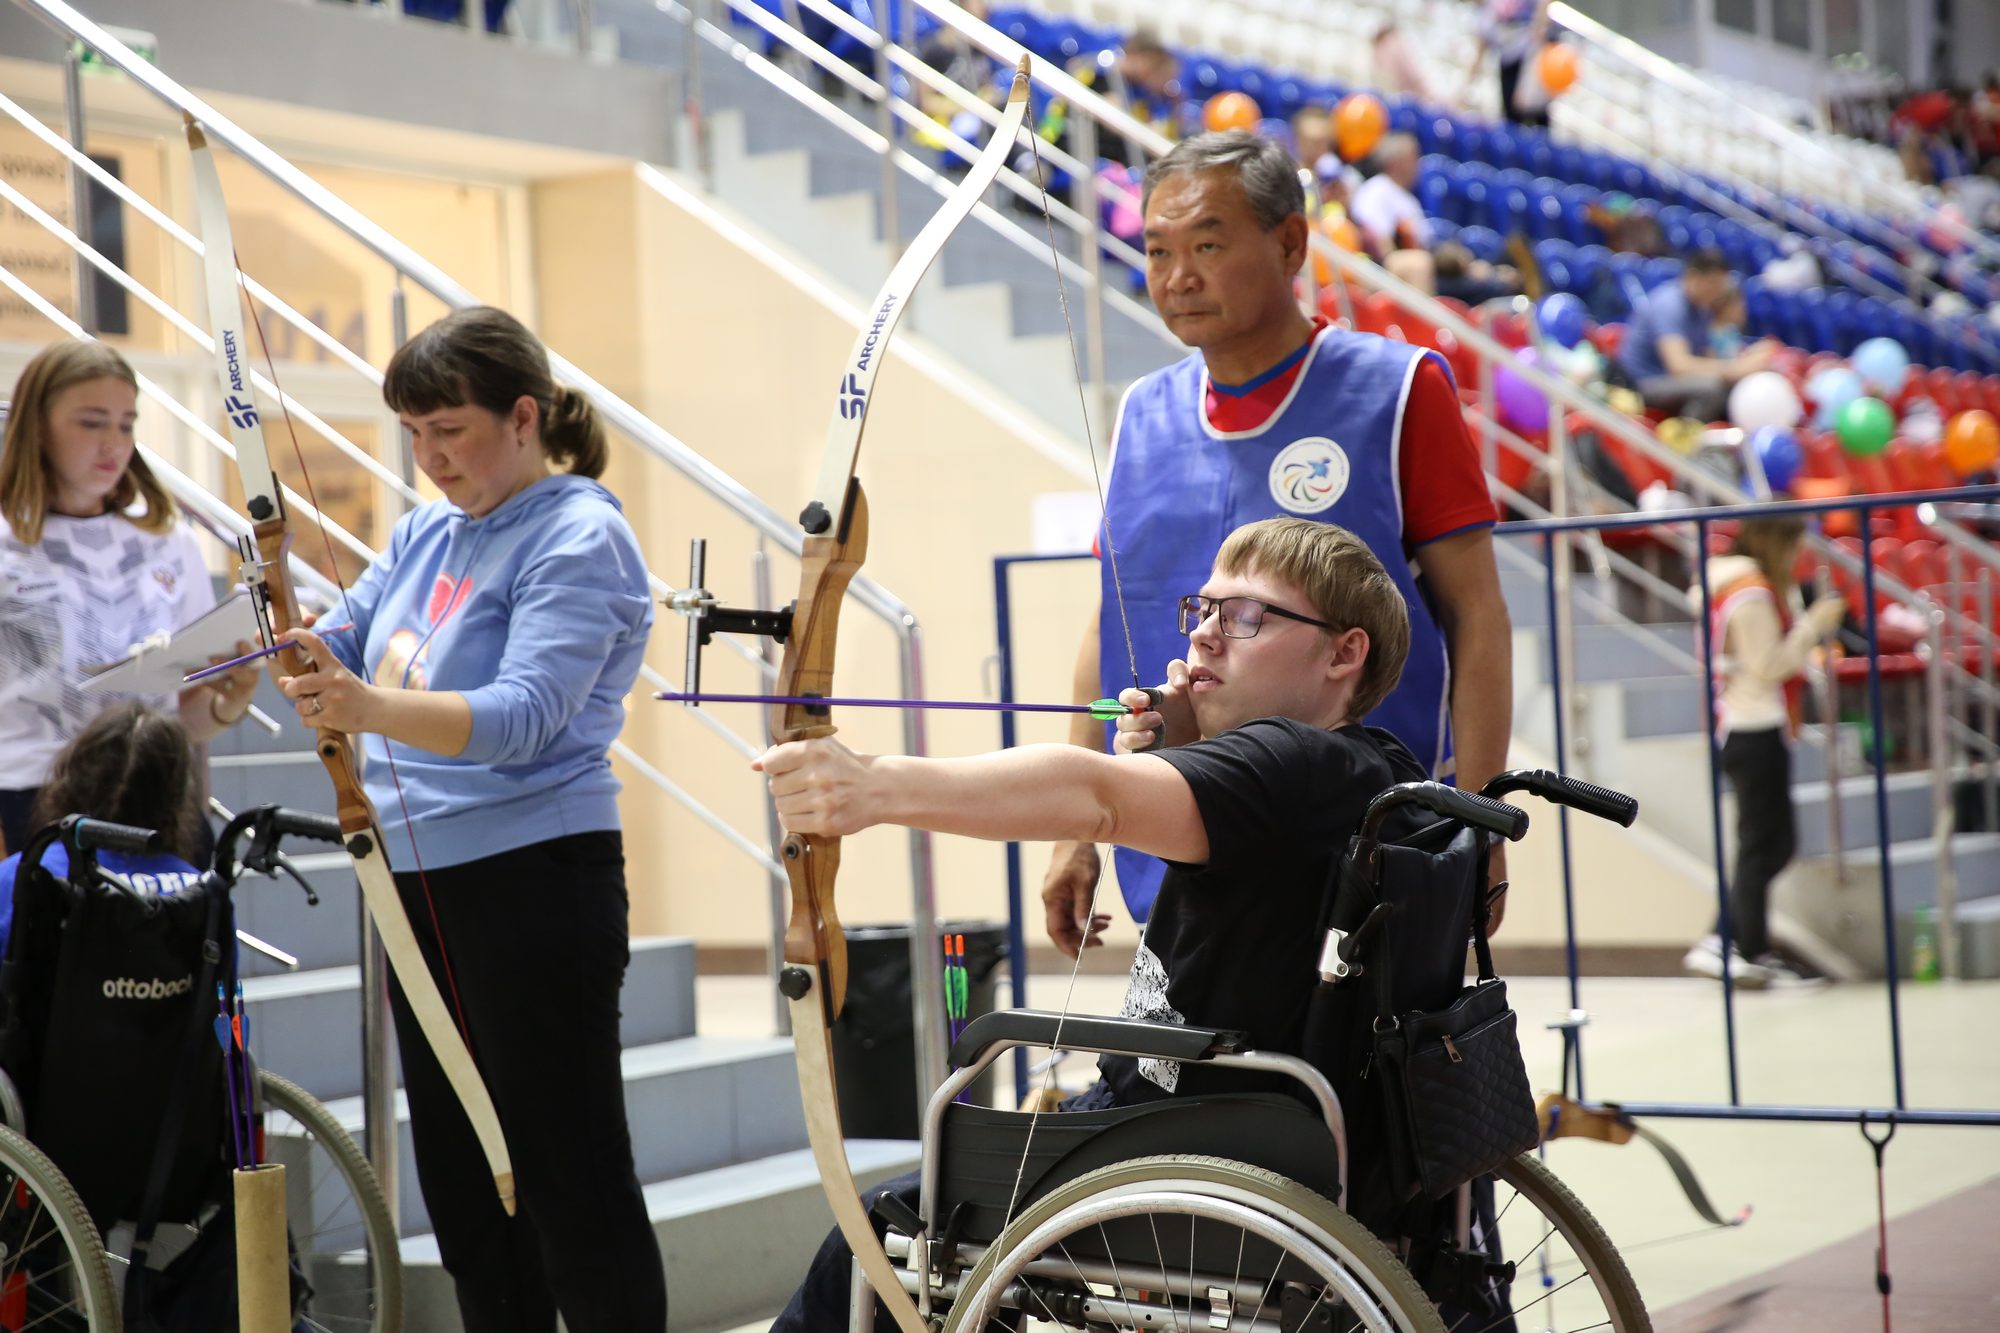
[(1183, 1242), (53, 1271), (1568, 1274), (342, 1232)]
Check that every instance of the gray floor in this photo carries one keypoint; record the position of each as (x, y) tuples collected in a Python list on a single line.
[(1811, 1186)]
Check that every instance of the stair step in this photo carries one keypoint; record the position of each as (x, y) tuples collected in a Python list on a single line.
[(694, 1104), (307, 1025), (753, 1221)]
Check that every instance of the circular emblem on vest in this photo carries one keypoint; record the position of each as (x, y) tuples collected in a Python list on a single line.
[(1308, 475)]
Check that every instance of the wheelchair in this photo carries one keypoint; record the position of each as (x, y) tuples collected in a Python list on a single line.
[(1278, 1208), (57, 1271)]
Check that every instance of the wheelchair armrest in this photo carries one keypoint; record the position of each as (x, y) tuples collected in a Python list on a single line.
[(1095, 1034)]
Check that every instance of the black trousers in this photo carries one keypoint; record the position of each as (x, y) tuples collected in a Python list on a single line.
[(1759, 765), (1510, 75), (538, 946)]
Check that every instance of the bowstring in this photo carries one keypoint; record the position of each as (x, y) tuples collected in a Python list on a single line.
[(1131, 654), (333, 564)]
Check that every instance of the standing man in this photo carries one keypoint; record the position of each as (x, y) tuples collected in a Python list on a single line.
[(1275, 414)]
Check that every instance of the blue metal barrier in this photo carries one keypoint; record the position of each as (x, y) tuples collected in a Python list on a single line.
[(1547, 530)]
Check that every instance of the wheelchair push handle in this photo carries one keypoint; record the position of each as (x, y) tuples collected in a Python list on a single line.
[(306, 824), (101, 835), (1498, 817), (1588, 797), (266, 827)]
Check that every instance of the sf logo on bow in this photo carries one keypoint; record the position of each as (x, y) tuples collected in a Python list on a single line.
[(242, 412), (852, 398)]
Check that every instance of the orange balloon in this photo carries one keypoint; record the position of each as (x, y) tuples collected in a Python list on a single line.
[(1231, 111), (1557, 65), (1340, 229), (1358, 123), (1972, 442)]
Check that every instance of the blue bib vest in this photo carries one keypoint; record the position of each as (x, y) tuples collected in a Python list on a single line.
[(1178, 487)]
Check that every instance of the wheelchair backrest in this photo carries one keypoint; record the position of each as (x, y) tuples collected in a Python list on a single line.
[(98, 990)]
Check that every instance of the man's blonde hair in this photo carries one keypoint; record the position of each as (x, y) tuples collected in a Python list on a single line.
[(1345, 583)]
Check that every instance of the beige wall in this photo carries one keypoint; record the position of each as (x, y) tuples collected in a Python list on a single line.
[(732, 355)]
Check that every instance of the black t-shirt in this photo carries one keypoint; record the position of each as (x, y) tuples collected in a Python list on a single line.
[(1232, 944)]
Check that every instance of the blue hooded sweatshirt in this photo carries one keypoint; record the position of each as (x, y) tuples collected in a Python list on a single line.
[(537, 614)]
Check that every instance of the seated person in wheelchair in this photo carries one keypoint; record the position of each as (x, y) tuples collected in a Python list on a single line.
[(130, 765), (1263, 776)]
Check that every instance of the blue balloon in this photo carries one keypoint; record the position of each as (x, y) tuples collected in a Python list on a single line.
[(1883, 365), (1832, 389), (1563, 318), (1778, 450)]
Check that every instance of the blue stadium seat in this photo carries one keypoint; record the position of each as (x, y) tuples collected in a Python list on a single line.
[(1545, 208), (1657, 272), (1578, 229), (1434, 188), (1484, 243)]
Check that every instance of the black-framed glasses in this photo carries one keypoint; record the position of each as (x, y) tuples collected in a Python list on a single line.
[(1238, 617)]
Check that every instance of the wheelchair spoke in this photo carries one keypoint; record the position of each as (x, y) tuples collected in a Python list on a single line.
[(1507, 1318), (1166, 1282)]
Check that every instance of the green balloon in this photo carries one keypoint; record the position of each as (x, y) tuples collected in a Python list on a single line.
[(1864, 427)]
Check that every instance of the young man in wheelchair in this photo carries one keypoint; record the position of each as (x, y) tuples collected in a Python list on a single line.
[(1263, 776)]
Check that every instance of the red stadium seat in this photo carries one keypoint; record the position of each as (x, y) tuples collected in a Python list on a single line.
[(1923, 563), (1824, 456), (1508, 328)]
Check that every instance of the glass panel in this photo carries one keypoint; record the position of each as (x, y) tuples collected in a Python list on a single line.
[(1791, 23), (1892, 34), (1843, 27), (1738, 14)]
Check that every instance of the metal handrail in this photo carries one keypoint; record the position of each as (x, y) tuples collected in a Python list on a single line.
[(866, 592)]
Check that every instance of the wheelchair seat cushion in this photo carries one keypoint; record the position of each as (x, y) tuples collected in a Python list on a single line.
[(981, 1149)]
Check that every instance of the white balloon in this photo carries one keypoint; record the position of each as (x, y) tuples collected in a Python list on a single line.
[(1764, 399)]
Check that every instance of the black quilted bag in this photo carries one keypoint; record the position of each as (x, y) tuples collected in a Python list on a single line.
[(1456, 1091)]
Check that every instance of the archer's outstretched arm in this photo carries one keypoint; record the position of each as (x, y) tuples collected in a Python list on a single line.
[(1035, 793)]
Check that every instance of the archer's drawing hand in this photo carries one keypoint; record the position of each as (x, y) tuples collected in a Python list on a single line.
[(1168, 722), (820, 786)]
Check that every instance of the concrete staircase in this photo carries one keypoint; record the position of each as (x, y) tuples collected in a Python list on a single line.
[(718, 1133), (1635, 719), (816, 191)]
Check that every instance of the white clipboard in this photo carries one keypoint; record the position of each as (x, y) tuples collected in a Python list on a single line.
[(157, 664)]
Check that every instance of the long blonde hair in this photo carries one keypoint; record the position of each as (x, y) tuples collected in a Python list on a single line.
[(1773, 542), (25, 472)]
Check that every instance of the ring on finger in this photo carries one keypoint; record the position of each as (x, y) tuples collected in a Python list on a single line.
[(316, 706)]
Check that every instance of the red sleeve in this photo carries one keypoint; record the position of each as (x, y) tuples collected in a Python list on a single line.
[(1444, 486)]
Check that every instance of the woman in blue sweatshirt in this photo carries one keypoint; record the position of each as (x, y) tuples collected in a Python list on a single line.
[(492, 647)]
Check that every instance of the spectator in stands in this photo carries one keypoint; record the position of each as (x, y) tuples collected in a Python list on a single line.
[(1668, 354), (1386, 206), (1273, 413), (1514, 31), (93, 559), (1144, 79), (1397, 69), (1312, 144), (1984, 115), (1760, 648), (1398, 235)]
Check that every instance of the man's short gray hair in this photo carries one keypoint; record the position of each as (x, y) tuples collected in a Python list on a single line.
[(1270, 177)]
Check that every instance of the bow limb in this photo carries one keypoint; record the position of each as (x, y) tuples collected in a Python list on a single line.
[(814, 980), (267, 572)]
